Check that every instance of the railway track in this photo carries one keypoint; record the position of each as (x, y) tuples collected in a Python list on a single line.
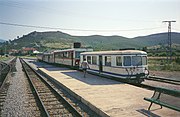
[(164, 80), (5, 69), (49, 101), (155, 81)]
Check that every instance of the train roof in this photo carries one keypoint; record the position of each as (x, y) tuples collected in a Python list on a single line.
[(117, 52), (75, 49), (48, 53)]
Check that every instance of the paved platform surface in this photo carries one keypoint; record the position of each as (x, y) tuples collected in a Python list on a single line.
[(105, 96)]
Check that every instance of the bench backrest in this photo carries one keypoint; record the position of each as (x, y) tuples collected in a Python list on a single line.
[(175, 93), (168, 96)]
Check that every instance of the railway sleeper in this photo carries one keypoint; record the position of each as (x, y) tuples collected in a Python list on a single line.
[(50, 107), (45, 99), (31, 97), (59, 111), (42, 88), (35, 109), (43, 91), (52, 103), (48, 95), (33, 104), (2, 97), (40, 84), (55, 106)]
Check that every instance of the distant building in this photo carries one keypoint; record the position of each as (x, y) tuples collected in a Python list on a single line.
[(27, 51), (13, 52)]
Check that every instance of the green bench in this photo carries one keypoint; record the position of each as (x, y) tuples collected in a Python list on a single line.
[(165, 97)]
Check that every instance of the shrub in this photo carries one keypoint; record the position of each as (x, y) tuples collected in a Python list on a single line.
[(177, 60), (162, 54)]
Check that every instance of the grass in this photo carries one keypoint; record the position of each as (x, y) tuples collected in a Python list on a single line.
[(3, 58), (162, 65), (57, 45)]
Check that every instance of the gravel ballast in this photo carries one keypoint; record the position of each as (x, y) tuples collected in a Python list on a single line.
[(16, 102)]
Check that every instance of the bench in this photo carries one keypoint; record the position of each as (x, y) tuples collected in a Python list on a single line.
[(165, 97)]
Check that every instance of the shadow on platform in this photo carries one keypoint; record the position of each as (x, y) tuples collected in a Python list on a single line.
[(89, 79), (42, 65), (148, 113)]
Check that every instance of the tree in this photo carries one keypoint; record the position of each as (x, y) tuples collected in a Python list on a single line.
[(1, 52), (144, 49)]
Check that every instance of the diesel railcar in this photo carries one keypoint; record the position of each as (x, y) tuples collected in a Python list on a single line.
[(127, 64), (70, 57), (48, 57)]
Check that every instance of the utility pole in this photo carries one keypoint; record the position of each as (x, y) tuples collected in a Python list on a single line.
[(169, 40)]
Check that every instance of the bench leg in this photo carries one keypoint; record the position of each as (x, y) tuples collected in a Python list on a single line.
[(150, 106), (159, 97)]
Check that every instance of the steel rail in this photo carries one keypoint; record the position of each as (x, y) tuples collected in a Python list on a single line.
[(4, 65), (165, 80), (72, 109), (7, 68), (5, 74), (44, 112)]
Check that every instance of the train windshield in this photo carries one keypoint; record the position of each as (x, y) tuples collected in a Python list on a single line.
[(136, 60), (144, 60), (127, 61), (139, 60)]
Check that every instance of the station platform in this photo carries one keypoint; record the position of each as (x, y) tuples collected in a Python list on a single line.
[(106, 97)]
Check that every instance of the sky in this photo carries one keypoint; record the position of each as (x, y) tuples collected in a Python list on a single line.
[(128, 18)]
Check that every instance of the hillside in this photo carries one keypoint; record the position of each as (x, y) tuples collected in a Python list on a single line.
[(161, 38), (107, 42), (57, 40), (2, 40)]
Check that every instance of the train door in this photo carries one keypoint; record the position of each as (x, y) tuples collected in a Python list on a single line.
[(84, 57), (100, 63), (48, 58), (72, 58), (54, 57)]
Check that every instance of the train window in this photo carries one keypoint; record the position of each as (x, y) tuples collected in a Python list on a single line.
[(108, 60), (65, 54), (127, 61), (136, 60), (77, 54), (118, 61), (89, 59), (144, 60), (69, 54), (61, 55), (94, 60), (56, 55)]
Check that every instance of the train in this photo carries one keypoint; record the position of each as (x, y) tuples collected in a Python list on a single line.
[(68, 57), (124, 64)]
